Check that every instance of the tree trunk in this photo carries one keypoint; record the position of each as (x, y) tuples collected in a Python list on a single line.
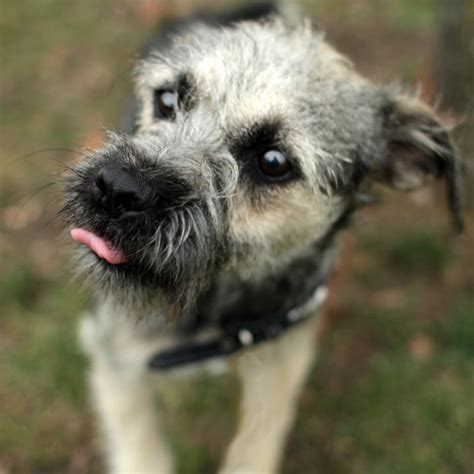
[(455, 77)]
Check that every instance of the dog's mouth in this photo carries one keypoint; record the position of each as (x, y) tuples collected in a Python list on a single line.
[(101, 247), (130, 237)]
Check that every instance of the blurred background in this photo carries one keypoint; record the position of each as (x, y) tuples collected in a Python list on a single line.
[(392, 391)]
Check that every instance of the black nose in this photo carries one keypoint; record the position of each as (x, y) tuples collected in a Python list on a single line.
[(119, 191)]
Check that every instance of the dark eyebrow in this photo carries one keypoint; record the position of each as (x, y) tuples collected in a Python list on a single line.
[(186, 89), (260, 135)]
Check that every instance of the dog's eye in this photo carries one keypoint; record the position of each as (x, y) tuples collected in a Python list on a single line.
[(165, 104), (274, 164)]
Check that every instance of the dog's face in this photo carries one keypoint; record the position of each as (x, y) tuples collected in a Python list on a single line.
[(251, 142)]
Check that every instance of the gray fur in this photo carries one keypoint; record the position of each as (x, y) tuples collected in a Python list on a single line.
[(219, 242), (329, 119)]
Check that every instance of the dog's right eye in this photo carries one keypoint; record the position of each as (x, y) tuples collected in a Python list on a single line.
[(165, 104), (274, 164)]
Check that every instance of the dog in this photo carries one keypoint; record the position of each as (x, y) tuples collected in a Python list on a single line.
[(211, 229)]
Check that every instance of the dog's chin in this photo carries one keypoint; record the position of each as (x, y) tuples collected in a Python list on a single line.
[(134, 282), (130, 276), (106, 264), (142, 291), (136, 275)]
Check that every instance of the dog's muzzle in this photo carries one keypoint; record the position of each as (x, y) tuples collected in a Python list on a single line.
[(146, 219), (120, 192), (115, 207)]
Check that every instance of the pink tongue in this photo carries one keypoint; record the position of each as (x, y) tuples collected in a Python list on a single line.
[(99, 246)]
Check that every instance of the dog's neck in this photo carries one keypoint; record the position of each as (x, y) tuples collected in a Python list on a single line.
[(242, 314), (230, 300), (246, 314)]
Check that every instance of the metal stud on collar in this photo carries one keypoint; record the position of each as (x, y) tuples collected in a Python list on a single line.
[(233, 340)]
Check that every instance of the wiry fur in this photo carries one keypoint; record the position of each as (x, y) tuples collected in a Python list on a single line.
[(220, 242)]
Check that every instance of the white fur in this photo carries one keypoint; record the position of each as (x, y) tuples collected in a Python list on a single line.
[(123, 394)]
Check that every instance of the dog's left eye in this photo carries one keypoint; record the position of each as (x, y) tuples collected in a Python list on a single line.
[(274, 164), (165, 104)]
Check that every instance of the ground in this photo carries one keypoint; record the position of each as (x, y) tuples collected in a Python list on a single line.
[(392, 389)]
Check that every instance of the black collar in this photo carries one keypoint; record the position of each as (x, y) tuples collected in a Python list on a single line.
[(240, 335)]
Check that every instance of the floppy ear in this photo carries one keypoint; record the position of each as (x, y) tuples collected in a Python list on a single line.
[(417, 149)]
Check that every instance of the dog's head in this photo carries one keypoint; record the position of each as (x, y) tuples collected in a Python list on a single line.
[(251, 142)]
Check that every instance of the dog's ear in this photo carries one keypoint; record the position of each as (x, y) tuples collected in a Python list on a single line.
[(418, 148)]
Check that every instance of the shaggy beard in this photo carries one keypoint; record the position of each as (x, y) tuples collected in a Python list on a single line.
[(171, 269), (172, 251)]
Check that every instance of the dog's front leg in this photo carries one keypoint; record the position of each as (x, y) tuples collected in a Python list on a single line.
[(272, 376), (123, 396)]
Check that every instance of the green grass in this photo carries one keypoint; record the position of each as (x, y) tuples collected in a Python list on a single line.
[(200, 415), (458, 332), (20, 285), (389, 411), (42, 371), (409, 251), (402, 15)]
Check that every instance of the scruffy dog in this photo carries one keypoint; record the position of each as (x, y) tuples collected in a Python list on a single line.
[(210, 232)]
